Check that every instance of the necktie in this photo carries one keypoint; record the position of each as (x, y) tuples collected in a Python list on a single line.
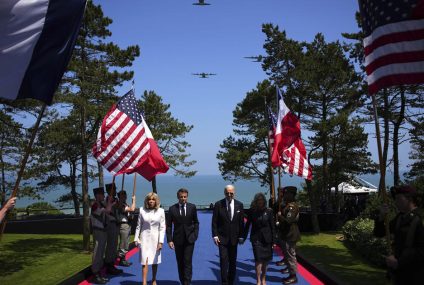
[(183, 211), (229, 211)]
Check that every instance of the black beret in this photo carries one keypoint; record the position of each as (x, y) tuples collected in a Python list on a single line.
[(404, 189), (110, 186), (98, 190), (290, 189)]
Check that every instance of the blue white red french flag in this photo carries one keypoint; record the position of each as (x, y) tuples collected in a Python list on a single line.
[(36, 42)]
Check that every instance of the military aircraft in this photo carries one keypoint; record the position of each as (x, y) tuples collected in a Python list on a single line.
[(258, 58), (203, 74), (201, 3)]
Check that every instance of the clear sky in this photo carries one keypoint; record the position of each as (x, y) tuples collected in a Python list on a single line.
[(177, 38)]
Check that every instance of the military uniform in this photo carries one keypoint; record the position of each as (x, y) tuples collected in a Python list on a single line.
[(98, 226), (112, 235), (290, 235), (408, 244), (124, 233)]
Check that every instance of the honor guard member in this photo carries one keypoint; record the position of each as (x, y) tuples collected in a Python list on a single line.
[(99, 227), (277, 207), (406, 263), (112, 232), (124, 220), (289, 232)]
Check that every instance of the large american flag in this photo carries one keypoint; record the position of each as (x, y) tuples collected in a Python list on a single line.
[(122, 145), (272, 122), (394, 42)]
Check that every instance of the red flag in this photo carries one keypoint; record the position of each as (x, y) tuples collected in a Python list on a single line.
[(286, 133), (154, 164)]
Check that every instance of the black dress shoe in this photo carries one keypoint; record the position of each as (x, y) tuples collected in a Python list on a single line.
[(285, 271), (98, 279), (124, 263), (112, 270), (290, 280)]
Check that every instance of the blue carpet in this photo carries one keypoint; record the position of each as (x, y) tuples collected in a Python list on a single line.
[(206, 269)]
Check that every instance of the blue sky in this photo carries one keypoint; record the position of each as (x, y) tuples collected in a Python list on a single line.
[(177, 39)]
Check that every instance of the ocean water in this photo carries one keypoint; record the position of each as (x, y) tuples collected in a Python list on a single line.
[(203, 189)]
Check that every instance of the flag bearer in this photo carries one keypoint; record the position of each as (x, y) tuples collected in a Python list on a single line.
[(124, 220), (99, 228), (289, 232), (112, 232)]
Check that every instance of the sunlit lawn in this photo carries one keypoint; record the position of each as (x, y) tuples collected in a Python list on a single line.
[(332, 256), (40, 259), (50, 259)]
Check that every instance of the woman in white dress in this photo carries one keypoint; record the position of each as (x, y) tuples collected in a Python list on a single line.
[(149, 235)]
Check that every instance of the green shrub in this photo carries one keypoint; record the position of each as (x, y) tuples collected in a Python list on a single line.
[(358, 235)]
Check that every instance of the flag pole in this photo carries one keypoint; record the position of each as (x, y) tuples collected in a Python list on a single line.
[(269, 161), (135, 179), (24, 161), (123, 179), (382, 185)]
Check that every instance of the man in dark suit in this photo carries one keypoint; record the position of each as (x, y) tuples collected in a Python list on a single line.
[(227, 232), (183, 216)]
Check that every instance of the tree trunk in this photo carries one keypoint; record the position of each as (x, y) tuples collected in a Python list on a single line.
[(74, 189), (397, 123), (313, 201), (386, 138), (3, 181), (101, 175), (154, 185), (85, 200)]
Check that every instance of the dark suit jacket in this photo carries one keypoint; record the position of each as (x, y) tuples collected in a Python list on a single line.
[(263, 226), (228, 231), (185, 228)]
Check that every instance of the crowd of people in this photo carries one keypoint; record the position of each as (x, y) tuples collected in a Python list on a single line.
[(231, 225)]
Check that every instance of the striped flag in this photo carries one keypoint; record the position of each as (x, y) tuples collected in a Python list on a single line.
[(286, 132), (36, 42), (124, 142), (295, 161), (272, 122), (393, 43)]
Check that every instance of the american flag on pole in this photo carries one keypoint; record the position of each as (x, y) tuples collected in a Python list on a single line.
[(272, 121), (122, 145), (393, 43), (295, 161)]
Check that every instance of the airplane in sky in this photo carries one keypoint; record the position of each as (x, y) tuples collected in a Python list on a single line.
[(203, 74), (258, 58), (201, 3)]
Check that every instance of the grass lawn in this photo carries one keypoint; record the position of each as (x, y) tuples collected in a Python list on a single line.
[(333, 257), (40, 259)]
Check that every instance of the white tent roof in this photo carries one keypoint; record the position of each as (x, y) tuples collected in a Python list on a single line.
[(356, 186)]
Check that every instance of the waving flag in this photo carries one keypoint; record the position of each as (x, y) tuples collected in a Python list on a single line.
[(394, 42), (36, 42), (286, 132), (295, 161), (125, 144)]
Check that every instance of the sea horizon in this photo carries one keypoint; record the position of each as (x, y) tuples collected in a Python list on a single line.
[(204, 189)]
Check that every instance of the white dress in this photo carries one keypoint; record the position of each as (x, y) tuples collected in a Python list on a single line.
[(149, 232)]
